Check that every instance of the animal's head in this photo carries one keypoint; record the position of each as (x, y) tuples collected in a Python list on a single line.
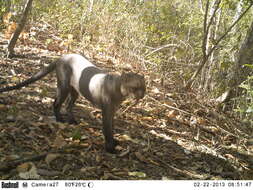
[(133, 84)]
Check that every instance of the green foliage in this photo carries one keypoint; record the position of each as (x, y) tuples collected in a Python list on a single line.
[(245, 102), (4, 6), (131, 29), (77, 135), (13, 6)]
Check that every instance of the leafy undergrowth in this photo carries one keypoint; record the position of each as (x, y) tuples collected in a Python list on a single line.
[(170, 134)]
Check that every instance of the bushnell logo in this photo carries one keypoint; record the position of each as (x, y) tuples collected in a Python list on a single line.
[(9, 185)]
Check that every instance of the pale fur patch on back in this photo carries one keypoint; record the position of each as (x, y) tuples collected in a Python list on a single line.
[(78, 63), (96, 86)]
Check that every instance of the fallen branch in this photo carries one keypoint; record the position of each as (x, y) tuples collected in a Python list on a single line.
[(14, 163), (132, 105), (160, 48), (171, 107)]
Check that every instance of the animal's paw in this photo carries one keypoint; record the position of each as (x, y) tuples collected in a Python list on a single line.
[(110, 146), (115, 142), (72, 121), (60, 119)]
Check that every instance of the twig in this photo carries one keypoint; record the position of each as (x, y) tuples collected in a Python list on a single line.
[(13, 164), (160, 48), (132, 105), (171, 107), (206, 30), (205, 16)]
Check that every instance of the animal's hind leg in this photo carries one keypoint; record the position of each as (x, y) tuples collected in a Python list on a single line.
[(62, 94), (63, 89), (70, 103)]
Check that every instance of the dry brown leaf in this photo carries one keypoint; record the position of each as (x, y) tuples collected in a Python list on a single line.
[(14, 79), (212, 129), (197, 121), (31, 173), (37, 124), (137, 174), (229, 156), (50, 157), (3, 107), (170, 94), (66, 167), (172, 114), (61, 126), (59, 142), (140, 156), (54, 47), (98, 158), (169, 102), (45, 172), (124, 153), (88, 169), (24, 167), (6, 18), (10, 29), (147, 118), (201, 121), (193, 121), (84, 145), (180, 118), (153, 162), (128, 138), (155, 90)]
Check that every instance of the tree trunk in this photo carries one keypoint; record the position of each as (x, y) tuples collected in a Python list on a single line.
[(91, 6), (238, 12), (208, 45), (240, 72), (200, 5), (213, 57), (19, 29), (206, 34)]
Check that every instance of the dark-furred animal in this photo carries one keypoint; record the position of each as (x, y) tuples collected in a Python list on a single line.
[(78, 76)]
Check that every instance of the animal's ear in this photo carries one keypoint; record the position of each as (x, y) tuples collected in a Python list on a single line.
[(140, 75), (124, 76)]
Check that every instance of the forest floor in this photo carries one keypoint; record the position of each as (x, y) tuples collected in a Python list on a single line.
[(170, 134)]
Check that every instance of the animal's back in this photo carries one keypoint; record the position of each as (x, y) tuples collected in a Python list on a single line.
[(77, 63)]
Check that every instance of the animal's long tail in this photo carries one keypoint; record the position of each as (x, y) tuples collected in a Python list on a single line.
[(34, 78)]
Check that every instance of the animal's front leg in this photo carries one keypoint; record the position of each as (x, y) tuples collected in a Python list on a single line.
[(110, 142)]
